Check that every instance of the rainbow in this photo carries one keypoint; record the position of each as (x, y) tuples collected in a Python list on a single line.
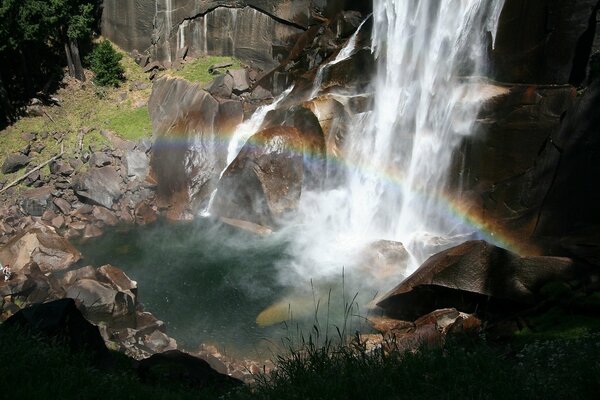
[(459, 210)]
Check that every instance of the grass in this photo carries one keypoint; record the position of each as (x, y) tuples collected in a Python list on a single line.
[(35, 369), (197, 69), (122, 110)]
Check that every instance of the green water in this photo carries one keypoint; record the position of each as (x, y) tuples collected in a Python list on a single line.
[(207, 281)]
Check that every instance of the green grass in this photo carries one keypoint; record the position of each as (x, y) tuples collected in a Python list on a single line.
[(197, 69), (122, 110)]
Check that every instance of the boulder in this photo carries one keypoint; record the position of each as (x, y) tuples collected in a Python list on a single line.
[(100, 159), (264, 182), (99, 185), (240, 80), (175, 366), (41, 245), (138, 164), (116, 278), (15, 162), (221, 86), (384, 260), (105, 216), (61, 168), (36, 201), (477, 277), (101, 302)]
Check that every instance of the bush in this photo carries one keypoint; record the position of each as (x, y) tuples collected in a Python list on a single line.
[(104, 62)]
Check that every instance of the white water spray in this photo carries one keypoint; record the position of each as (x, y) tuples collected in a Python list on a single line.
[(397, 156)]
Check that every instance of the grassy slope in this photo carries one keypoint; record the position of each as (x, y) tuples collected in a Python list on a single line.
[(122, 110)]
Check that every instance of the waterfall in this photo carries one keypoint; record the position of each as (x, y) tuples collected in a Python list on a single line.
[(344, 53), (430, 55)]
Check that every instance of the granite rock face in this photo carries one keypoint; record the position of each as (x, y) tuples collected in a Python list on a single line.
[(252, 30), (544, 42)]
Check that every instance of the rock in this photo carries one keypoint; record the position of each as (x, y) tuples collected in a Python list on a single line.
[(36, 201), (17, 285), (72, 276), (138, 164), (105, 216), (15, 162), (240, 80), (175, 366), (346, 23), (158, 342), (91, 231), (116, 278), (103, 303), (100, 185), (265, 181), (60, 320), (544, 43), (384, 260), (477, 277), (221, 86), (58, 222), (61, 168), (146, 323), (100, 159), (41, 245), (145, 214), (183, 111), (154, 65), (28, 136)]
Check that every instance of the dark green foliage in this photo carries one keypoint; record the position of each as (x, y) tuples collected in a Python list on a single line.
[(104, 61)]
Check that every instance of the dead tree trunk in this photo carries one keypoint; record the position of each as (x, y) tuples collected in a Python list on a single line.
[(77, 60)]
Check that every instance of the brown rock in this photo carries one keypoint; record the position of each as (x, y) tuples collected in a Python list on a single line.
[(477, 276), (91, 231), (105, 216), (144, 214)]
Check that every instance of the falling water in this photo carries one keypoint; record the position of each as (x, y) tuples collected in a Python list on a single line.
[(398, 155), (344, 53)]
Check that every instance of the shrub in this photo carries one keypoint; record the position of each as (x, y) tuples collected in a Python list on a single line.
[(104, 62)]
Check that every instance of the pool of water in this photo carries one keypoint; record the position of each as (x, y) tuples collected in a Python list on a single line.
[(210, 283)]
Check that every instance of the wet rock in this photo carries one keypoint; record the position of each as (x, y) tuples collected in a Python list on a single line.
[(14, 163), (145, 214), (477, 276), (41, 245), (72, 276), (385, 259), (100, 185), (158, 342), (264, 182), (542, 42), (36, 201), (91, 231), (105, 216)]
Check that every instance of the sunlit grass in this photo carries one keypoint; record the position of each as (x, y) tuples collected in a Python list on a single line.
[(197, 69)]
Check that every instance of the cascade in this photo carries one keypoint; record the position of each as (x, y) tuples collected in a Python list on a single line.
[(344, 53), (397, 156)]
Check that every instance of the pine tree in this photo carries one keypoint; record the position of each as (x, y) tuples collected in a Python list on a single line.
[(104, 62)]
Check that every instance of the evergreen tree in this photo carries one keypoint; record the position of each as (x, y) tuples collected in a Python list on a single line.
[(104, 61)]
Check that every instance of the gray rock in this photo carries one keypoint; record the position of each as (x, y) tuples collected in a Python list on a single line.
[(138, 164), (15, 162), (36, 201), (101, 186), (100, 159), (100, 301), (61, 168), (240, 80), (221, 86)]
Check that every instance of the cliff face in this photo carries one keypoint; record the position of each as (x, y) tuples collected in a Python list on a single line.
[(260, 31)]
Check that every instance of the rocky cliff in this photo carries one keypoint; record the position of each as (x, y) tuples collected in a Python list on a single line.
[(258, 31)]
